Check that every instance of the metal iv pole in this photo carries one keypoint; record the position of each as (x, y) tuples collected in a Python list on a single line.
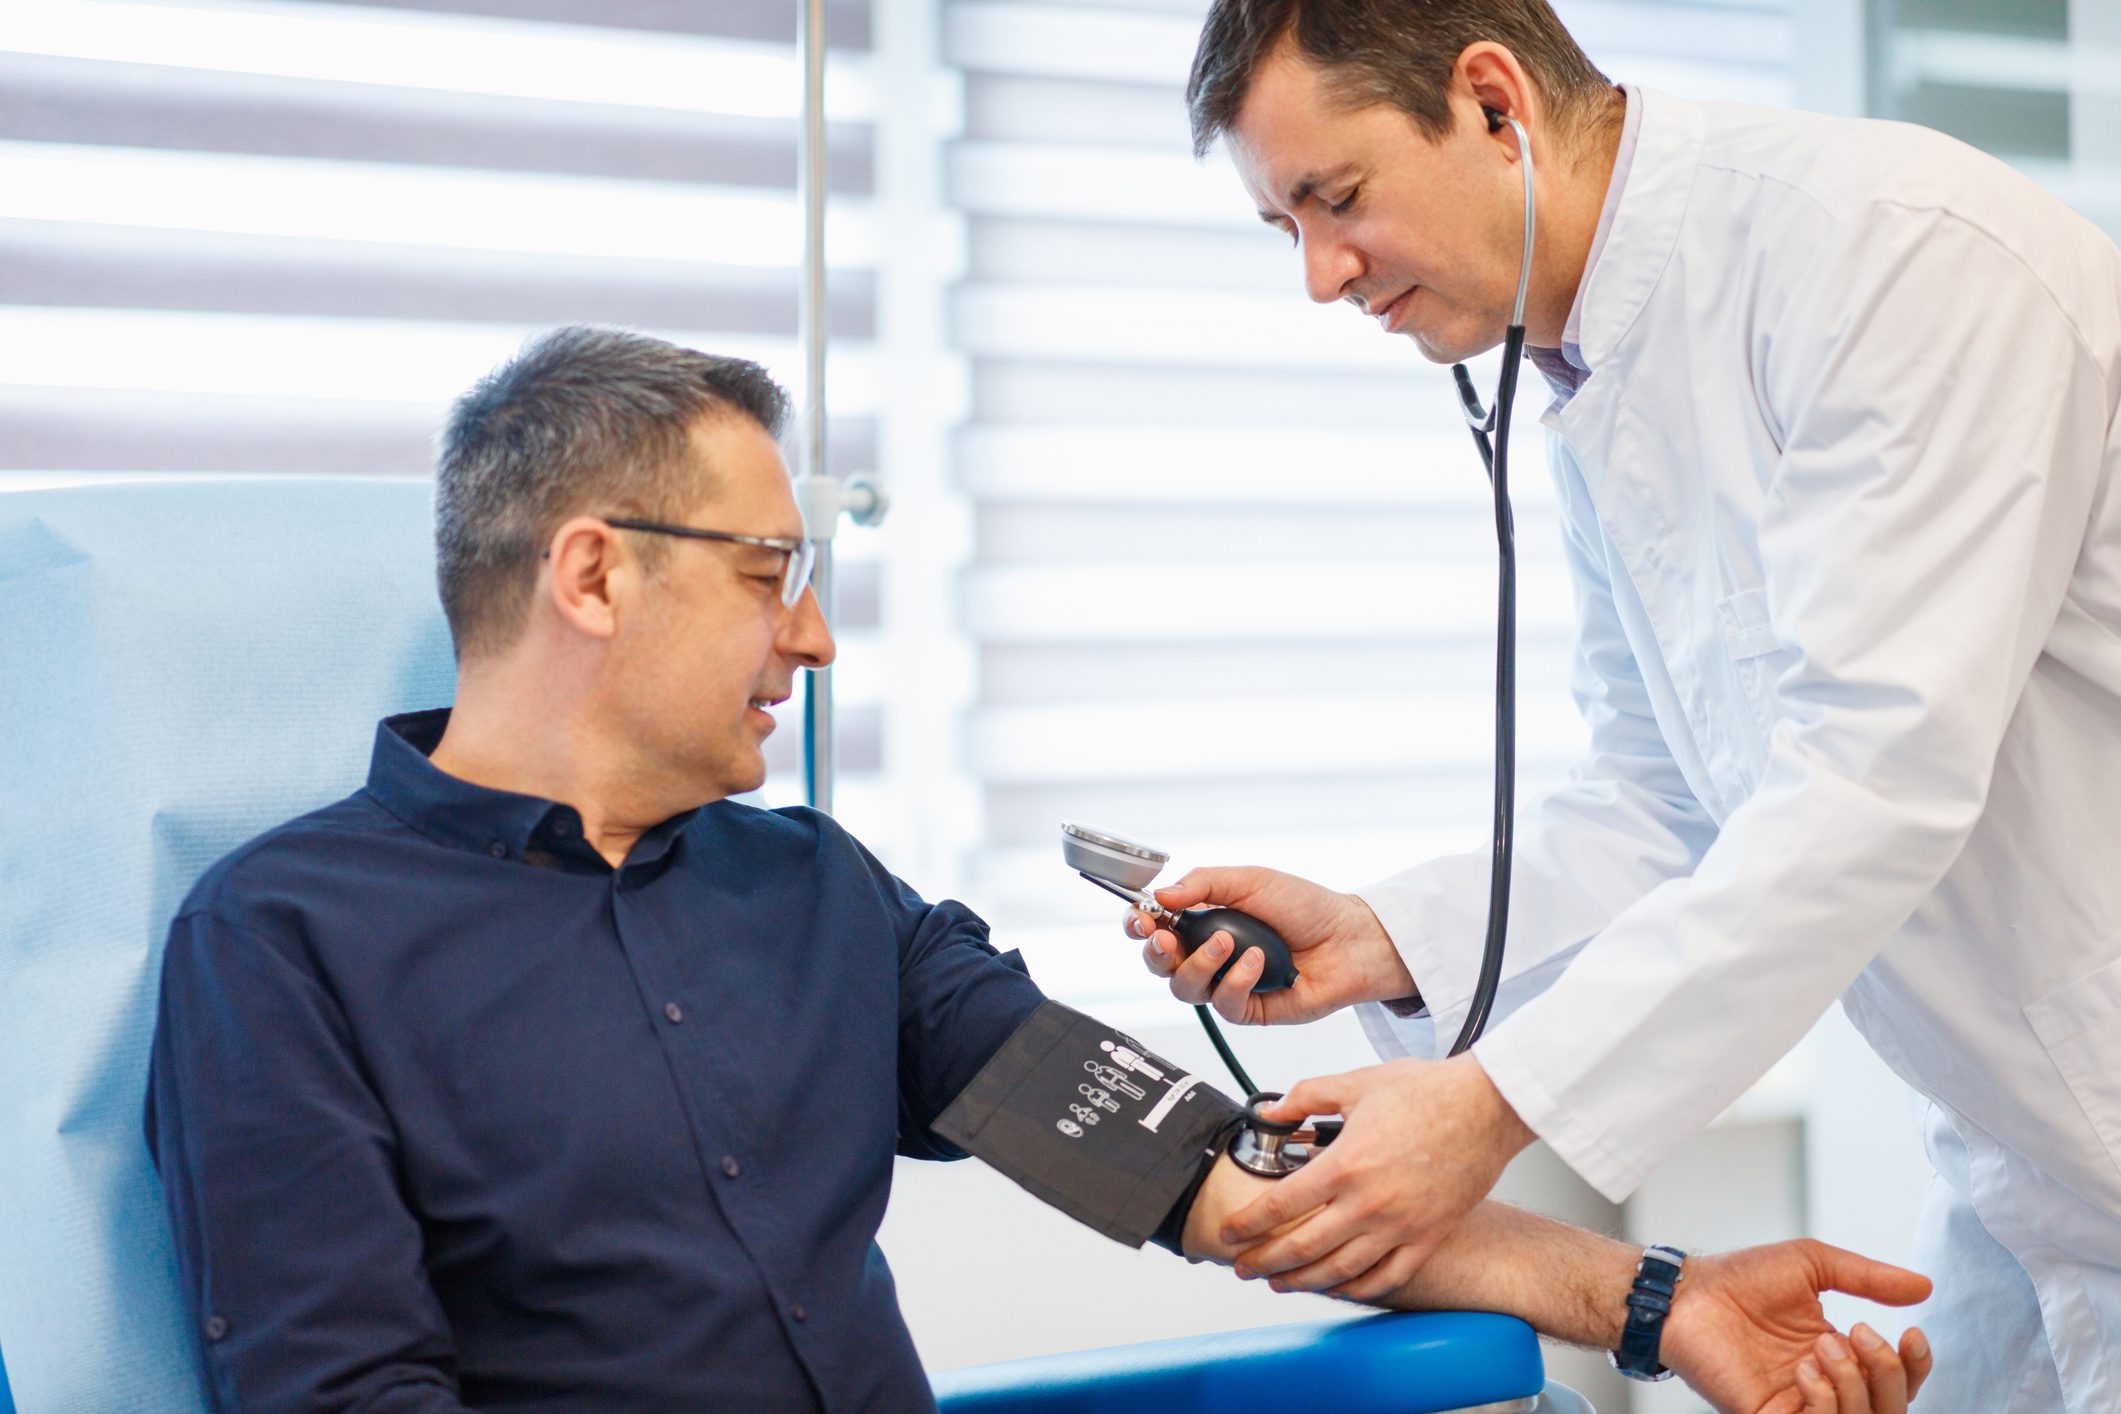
[(821, 496)]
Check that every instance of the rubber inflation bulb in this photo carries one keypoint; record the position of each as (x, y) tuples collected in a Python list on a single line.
[(1197, 925)]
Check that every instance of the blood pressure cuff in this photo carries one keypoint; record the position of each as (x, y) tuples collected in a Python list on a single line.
[(1086, 1119)]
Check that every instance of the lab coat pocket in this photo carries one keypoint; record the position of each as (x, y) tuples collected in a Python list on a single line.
[(2080, 1025), (1749, 638)]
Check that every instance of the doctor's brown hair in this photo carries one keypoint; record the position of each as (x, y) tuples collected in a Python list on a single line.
[(1398, 52)]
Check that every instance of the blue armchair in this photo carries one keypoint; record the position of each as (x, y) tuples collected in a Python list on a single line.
[(183, 664)]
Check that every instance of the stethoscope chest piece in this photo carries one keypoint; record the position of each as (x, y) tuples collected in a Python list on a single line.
[(1274, 1148)]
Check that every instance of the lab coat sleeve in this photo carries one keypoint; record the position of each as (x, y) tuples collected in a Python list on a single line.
[(1942, 430), (1625, 822)]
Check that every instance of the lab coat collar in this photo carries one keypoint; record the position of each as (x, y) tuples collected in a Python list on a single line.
[(1616, 186), (1645, 228)]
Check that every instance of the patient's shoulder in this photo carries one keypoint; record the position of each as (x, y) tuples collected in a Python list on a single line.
[(795, 838), (793, 828), (272, 866)]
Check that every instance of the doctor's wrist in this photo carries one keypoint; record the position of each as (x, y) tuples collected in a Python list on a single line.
[(1384, 971)]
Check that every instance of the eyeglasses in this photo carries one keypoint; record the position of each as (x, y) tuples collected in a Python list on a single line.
[(798, 557)]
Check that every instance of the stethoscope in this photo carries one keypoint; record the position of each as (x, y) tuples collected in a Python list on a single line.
[(1126, 868), (1495, 456)]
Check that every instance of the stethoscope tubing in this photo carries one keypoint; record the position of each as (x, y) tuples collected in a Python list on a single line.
[(1495, 456)]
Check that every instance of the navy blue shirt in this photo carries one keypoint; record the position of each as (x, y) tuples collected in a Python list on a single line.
[(451, 1113)]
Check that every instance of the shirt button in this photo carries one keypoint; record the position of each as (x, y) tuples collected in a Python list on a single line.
[(798, 1312), (675, 1012), (216, 1327), (497, 850), (562, 827), (730, 1166)]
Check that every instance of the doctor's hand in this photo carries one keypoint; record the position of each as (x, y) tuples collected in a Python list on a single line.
[(1342, 953), (1424, 1142), (1747, 1332)]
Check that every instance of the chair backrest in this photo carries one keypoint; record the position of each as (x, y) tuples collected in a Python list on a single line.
[(182, 665)]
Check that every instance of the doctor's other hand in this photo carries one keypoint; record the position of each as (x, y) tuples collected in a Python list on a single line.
[(1424, 1141), (1342, 953), (1746, 1331)]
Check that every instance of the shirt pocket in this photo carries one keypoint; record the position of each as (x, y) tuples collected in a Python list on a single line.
[(2079, 1024)]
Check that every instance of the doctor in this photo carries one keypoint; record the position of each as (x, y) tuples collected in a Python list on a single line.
[(1834, 431)]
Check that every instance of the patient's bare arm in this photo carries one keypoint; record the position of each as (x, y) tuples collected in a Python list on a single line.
[(1746, 1330), (1567, 1282)]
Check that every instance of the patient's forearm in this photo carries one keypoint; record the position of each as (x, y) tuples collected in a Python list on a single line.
[(1566, 1282), (1569, 1283)]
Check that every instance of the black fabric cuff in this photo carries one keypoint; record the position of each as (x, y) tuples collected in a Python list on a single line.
[(1085, 1118), (1170, 1234)]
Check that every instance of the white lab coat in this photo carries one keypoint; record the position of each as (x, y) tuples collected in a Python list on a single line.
[(1842, 500)]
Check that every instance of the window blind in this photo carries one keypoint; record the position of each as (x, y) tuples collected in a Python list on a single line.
[(280, 237), (2032, 81), (1232, 587)]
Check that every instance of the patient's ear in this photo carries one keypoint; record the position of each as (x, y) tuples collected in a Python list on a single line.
[(586, 568)]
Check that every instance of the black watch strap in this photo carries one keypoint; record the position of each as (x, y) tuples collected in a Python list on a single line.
[(1649, 1302)]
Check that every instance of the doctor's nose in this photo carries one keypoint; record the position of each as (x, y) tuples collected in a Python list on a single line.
[(1330, 266)]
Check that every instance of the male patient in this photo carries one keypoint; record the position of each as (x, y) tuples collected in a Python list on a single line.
[(537, 1074)]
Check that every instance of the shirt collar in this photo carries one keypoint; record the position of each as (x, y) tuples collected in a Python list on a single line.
[(503, 824), (1564, 367)]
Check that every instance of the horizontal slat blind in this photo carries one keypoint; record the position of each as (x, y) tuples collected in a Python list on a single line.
[(2032, 81), (1232, 590), (280, 237)]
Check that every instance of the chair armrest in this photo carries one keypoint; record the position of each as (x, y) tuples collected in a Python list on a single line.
[(1410, 1363)]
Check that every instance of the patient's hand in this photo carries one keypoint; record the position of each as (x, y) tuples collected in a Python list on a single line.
[(1747, 1332)]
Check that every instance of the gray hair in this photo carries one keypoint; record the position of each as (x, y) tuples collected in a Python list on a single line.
[(583, 420), (1397, 52)]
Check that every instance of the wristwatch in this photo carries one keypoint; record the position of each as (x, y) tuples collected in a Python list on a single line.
[(1649, 1302)]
